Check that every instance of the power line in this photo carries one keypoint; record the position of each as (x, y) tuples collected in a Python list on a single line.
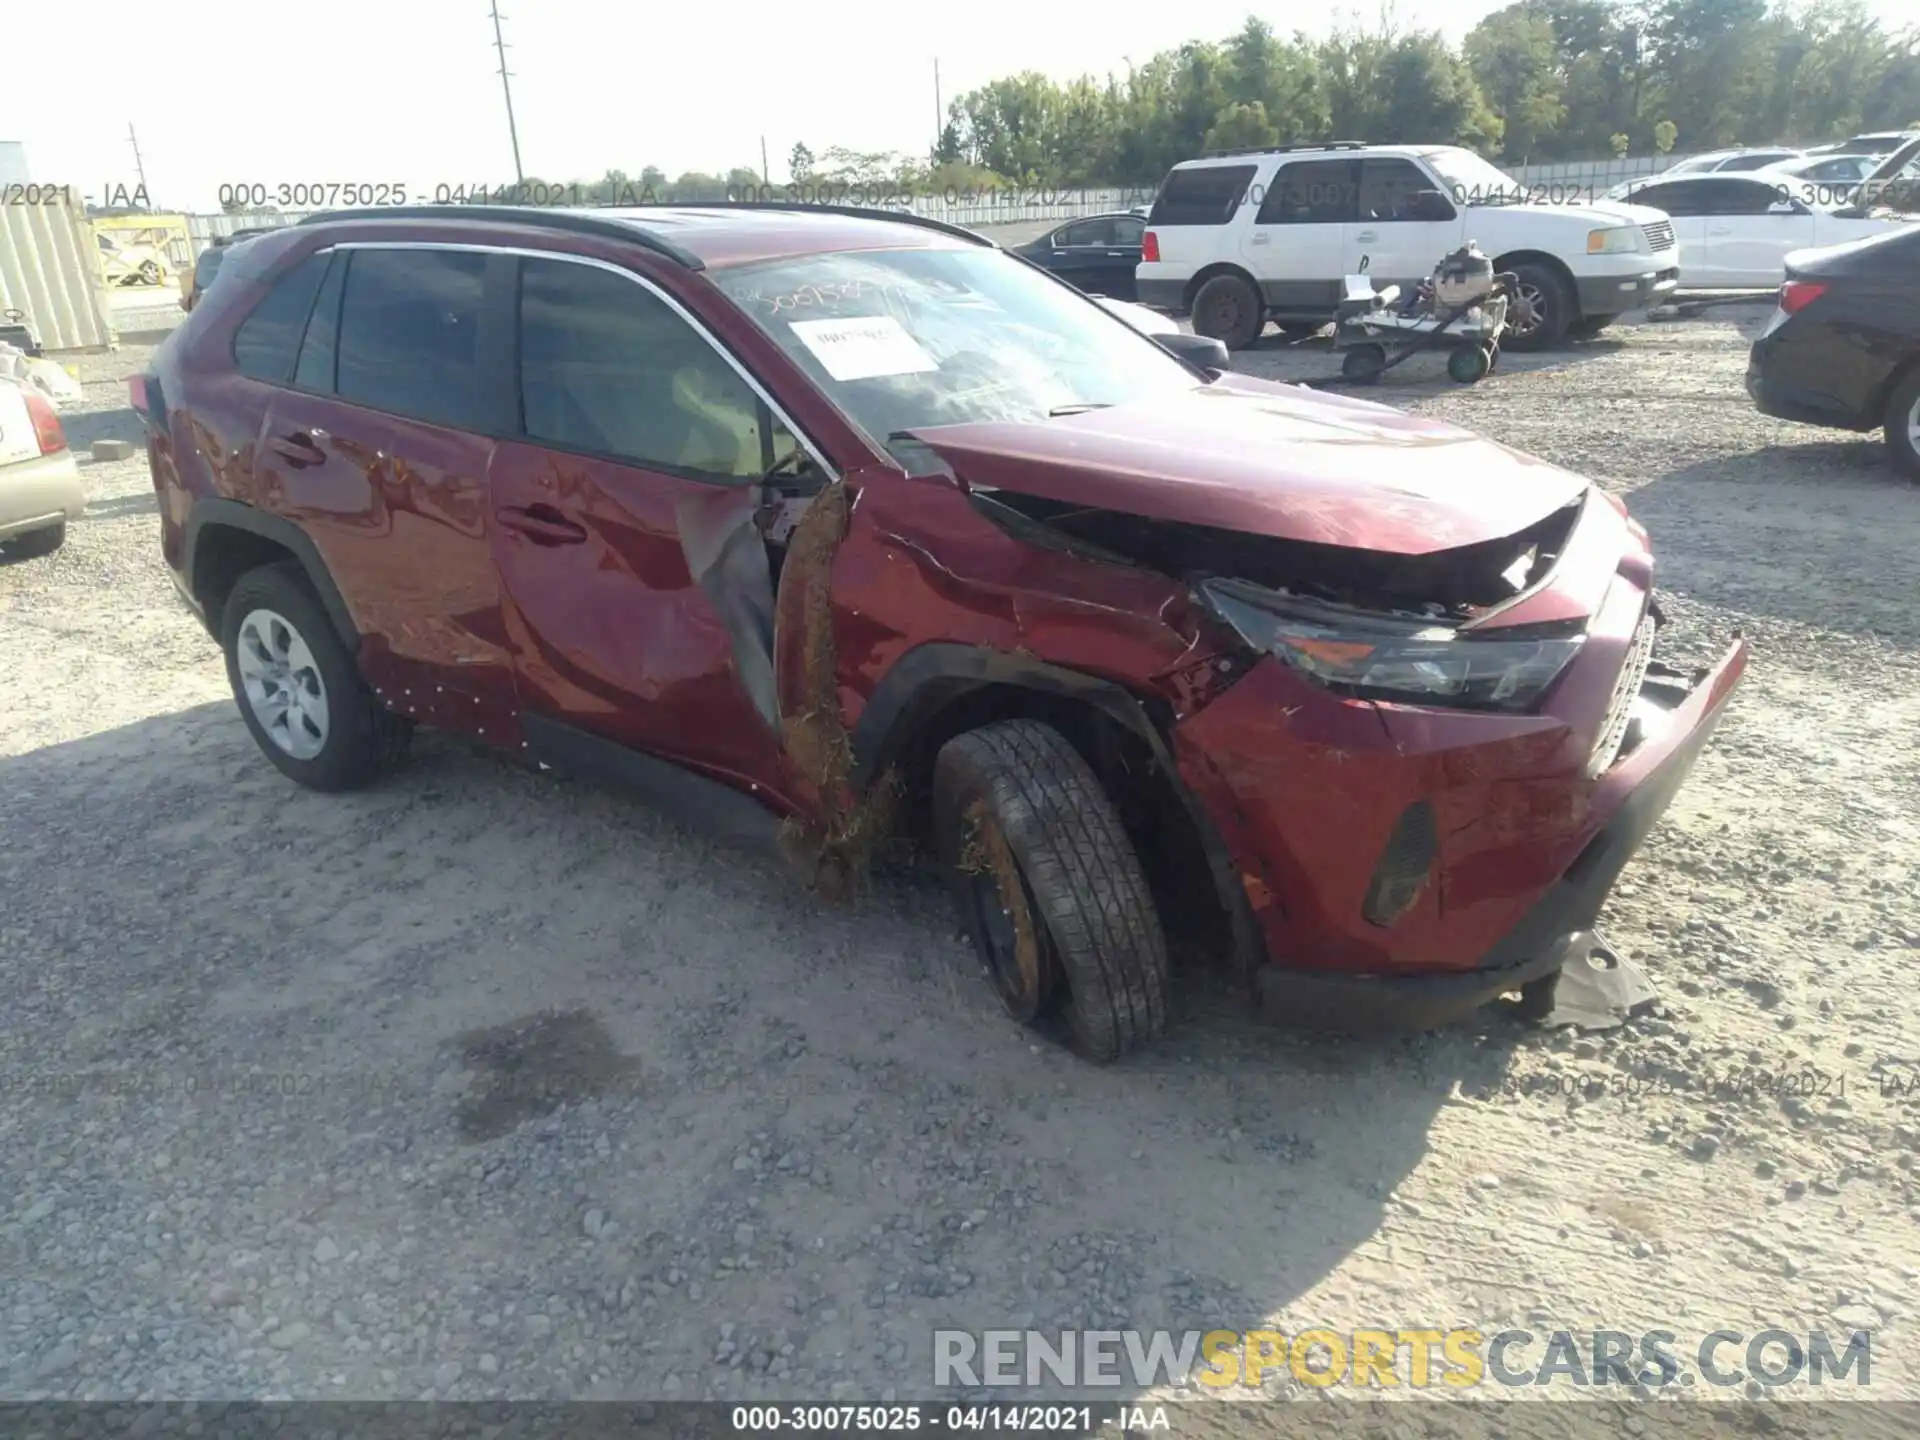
[(513, 132)]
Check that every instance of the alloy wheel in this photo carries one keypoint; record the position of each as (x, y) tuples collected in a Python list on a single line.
[(282, 684)]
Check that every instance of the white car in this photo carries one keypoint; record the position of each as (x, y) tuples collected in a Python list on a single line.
[(1735, 230), (1241, 239), (40, 489), (1831, 169)]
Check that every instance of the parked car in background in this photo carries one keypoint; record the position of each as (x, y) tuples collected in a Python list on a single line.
[(1716, 161), (1875, 142), (1735, 231), (1238, 240), (1097, 253), (1831, 169), (40, 489), (194, 283), (132, 262), (667, 495), (1843, 346)]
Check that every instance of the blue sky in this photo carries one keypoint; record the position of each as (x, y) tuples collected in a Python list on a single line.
[(404, 91)]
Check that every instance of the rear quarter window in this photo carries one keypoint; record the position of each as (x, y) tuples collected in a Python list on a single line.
[(268, 339), (1204, 195)]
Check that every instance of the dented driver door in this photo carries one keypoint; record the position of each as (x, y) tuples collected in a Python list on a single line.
[(637, 593)]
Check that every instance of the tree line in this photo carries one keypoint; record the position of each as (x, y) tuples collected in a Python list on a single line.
[(1535, 82)]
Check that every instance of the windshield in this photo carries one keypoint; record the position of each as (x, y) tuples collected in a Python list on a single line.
[(909, 339), (1473, 181)]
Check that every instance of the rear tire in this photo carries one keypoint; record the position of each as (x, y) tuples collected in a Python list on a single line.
[(1229, 309), (1903, 426), (279, 642), (1050, 889), (33, 544), (1364, 364), (1545, 295)]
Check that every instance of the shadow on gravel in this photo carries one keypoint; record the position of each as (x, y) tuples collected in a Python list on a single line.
[(1824, 533), (489, 948), (117, 507), (83, 427)]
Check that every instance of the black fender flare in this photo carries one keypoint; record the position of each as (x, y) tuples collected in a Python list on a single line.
[(220, 513), (930, 676)]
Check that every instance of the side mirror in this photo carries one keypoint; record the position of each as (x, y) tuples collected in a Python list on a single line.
[(1783, 207), (1430, 205), (1201, 350)]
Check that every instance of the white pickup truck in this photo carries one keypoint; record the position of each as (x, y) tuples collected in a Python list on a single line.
[(1239, 239)]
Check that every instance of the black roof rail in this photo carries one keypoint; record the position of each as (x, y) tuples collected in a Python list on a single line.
[(1287, 149), (533, 215), (857, 212)]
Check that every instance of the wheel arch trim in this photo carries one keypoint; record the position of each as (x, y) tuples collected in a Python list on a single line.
[(931, 676), (217, 512)]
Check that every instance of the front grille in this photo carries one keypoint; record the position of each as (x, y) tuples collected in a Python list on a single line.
[(1659, 235), (1626, 690)]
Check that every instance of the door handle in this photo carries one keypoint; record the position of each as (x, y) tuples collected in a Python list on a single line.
[(300, 448), (540, 523), (1260, 237), (1368, 236), (1721, 230)]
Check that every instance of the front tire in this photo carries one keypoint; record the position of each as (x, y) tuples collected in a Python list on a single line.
[(1903, 426), (1229, 309), (1050, 889), (298, 688), (33, 544), (1545, 309)]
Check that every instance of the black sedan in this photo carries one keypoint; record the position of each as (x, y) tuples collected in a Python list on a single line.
[(1843, 346), (1098, 253)]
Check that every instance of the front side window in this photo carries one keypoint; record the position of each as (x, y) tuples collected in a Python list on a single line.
[(266, 342), (409, 335), (609, 368), (904, 340)]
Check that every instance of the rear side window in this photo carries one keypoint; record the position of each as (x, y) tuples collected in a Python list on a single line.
[(1311, 192), (1204, 195), (267, 340), (1085, 233), (409, 340), (607, 367)]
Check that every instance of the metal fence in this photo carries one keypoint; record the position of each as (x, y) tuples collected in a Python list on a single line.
[(1030, 205), (50, 272)]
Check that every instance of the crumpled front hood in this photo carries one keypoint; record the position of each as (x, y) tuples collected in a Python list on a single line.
[(1267, 459)]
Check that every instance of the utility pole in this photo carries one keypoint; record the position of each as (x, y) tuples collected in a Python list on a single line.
[(513, 133), (939, 115), (766, 177), (139, 165)]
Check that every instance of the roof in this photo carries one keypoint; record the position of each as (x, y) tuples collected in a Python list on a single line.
[(699, 236)]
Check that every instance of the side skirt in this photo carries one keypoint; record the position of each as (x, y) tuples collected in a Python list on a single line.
[(693, 800)]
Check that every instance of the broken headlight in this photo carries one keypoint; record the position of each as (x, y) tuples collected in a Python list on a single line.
[(1380, 657)]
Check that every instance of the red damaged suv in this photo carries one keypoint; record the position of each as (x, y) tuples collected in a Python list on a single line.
[(848, 526)]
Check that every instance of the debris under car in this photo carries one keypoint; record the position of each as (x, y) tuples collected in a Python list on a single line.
[(1361, 704)]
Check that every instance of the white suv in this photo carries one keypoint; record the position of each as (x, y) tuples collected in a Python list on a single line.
[(1236, 240)]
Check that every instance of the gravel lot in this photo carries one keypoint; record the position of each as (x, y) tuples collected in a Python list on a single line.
[(279, 1071)]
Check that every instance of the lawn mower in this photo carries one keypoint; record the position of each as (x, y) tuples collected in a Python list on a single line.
[(1462, 307)]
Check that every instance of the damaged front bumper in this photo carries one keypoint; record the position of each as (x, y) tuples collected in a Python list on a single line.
[(1557, 928)]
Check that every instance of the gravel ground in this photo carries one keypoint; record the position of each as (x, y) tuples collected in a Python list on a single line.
[(484, 1084)]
